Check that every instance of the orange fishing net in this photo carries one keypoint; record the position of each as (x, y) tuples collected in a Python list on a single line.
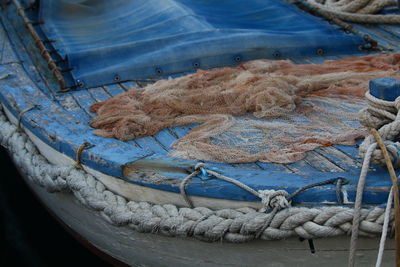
[(262, 110)]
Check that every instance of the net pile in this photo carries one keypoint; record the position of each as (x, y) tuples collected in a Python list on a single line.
[(262, 110)]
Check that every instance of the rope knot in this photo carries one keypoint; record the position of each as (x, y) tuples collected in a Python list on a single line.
[(199, 166), (394, 152), (273, 199)]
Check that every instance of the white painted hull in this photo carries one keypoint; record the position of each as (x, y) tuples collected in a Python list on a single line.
[(143, 249)]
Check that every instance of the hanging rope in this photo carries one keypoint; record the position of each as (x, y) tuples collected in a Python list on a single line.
[(384, 229), (384, 116), (395, 191), (357, 204)]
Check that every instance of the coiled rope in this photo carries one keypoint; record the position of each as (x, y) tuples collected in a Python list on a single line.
[(359, 11)]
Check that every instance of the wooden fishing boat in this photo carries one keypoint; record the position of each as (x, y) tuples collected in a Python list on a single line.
[(149, 198)]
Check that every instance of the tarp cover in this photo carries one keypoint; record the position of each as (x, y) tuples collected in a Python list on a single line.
[(106, 41)]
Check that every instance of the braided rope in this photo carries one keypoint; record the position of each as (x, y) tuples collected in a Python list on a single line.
[(231, 225), (359, 11)]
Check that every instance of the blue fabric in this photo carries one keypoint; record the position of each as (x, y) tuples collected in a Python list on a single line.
[(106, 40)]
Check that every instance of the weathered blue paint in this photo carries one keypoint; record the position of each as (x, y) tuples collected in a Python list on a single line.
[(98, 94), (385, 88), (109, 155), (65, 129)]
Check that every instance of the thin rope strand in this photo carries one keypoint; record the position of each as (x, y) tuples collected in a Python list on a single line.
[(392, 173), (357, 204), (384, 229)]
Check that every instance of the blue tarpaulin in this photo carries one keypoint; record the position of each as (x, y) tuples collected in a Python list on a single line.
[(106, 41)]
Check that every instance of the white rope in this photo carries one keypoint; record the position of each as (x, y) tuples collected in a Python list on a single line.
[(232, 225), (359, 11), (273, 199), (357, 204), (385, 229), (270, 198), (376, 115)]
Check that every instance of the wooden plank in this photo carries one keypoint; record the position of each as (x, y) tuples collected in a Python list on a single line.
[(165, 138), (275, 167), (68, 103), (7, 54), (340, 159), (113, 89), (321, 163), (151, 144), (64, 132), (99, 94), (18, 52), (84, 100), (129, 85), (181, 131)]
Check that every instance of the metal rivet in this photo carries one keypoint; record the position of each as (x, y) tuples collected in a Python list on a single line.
[(238, 58), (117, 78), (320, 51), (196, 64), (276, 54), (367, 37)]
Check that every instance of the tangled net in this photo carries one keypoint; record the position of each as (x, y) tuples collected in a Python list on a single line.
[(295, 108)]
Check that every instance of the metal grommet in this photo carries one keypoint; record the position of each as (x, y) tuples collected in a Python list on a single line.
[(277, 54), (196, 65), (159, 71), (320, 51), (80, 83), (366, 37), (238, 58), (117, 78)]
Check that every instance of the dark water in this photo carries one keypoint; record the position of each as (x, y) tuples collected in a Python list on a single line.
[(29, 236)]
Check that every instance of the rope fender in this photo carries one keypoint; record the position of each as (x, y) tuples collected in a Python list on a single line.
[(231, 225)]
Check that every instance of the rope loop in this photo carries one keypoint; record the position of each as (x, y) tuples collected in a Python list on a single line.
[(199, 166), (79, 151), (273, 199), (22, 112)]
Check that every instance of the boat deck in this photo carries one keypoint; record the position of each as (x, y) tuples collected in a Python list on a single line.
[(61, 121)]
